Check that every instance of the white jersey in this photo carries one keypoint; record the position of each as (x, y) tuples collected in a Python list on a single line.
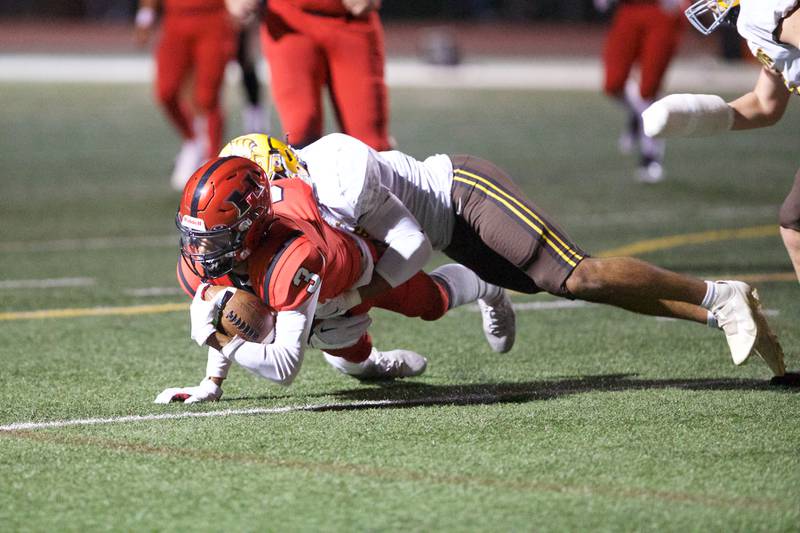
[(758, 20), (347, 176)]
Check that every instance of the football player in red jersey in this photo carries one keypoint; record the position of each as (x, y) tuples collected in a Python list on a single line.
[(646, 32), (239, 230), (311, 44), (198, 38)]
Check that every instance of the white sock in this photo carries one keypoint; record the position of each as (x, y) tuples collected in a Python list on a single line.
[(200, 125), (347, 367), (464, 286), (711, 295), (633, 97)]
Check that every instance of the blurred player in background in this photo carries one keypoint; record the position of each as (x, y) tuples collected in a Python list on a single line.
[(643, 32), (772, 31), (253, 113), (198, 39), (270, 239), (475, 214), (311, 44)]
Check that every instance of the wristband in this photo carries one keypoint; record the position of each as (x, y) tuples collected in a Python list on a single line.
[(145, 17)]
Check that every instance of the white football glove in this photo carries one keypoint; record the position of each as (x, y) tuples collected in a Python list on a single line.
[(687, 115), (204, 313), (206, 391), (338, 305), (338, 332), (601, 6)]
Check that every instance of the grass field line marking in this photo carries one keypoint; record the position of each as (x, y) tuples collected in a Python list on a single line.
[(46, 283), (674, 241), (365, 404), (94, 243), (94, 311)]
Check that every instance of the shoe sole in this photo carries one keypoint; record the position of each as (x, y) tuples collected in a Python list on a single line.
[(766, 345)]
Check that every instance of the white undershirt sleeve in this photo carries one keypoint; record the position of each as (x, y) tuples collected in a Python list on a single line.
[(217, 365), (408, 246), (280, 360)]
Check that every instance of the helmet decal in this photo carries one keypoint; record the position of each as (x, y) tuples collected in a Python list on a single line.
[(194, 223), (199, 188)]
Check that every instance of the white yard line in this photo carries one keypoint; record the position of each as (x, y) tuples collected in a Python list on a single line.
[(551, 73), (20, 426), (46, 283)]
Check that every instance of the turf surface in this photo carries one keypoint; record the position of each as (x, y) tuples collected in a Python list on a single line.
[(598, 419)]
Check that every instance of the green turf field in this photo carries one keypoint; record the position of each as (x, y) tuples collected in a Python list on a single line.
[(597, 420)]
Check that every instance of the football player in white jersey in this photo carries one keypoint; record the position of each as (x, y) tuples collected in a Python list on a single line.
[(772, 31), (474, 213)]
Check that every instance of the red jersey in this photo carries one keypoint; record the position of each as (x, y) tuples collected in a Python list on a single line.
[(300, 254), (192, 6), (331, 8)]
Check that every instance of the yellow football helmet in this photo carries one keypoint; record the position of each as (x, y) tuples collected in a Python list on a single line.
[(278, 159), (707, 15)]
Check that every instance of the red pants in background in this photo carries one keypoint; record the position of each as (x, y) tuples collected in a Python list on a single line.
[(640, 32), (307, 51), (199, 41)]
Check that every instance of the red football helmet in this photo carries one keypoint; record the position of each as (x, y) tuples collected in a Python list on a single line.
[(224, 212)]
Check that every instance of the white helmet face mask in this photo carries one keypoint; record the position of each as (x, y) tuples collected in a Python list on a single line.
[(707, 15)]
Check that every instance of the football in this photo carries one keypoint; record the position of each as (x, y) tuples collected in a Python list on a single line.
[(243, 314)]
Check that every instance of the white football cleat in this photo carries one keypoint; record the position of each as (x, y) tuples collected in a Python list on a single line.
[(739, 315), (499, 322), (652, 172), (189, 159), (393, 364), (767, 346), (381, 365)]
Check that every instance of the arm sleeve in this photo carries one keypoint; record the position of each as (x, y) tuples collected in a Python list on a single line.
[(279, 361), (217, 365), (408, 246)]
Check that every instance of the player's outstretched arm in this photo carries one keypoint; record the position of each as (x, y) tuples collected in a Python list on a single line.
[(696, 115), (764, 105), (687, 115)]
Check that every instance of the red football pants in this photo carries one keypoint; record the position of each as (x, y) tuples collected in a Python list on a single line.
[(306, 52), (201, 43), (645, 33)]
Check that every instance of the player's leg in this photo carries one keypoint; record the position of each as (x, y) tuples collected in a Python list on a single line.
[(173, 64), (659, 45), (504, 237), (253, 114), (297, 74), (790, 224), (355, 54), (173, 60), (362, 360), (491, 209), (215, 45), (619, 54), (430, 296), (640, 287)]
